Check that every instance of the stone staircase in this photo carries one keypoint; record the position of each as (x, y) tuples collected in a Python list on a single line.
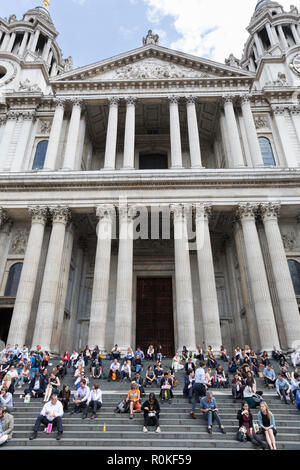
[(178, 430)]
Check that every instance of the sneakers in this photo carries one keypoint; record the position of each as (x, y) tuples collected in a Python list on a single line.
[(209, 430), (58, 436), (145, 429), (222, 430), (33, 436), (158, 430)]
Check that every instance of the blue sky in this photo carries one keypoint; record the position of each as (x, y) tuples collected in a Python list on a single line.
[(92, 30)]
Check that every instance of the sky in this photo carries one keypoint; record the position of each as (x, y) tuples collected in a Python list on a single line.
[(94, 30)]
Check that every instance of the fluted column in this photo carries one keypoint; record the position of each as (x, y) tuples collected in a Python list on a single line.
[(233, 133), (252, 138), (111, 136), (98, 317), (46, 309), (11, 119), (71, 146), (54, 138), (281, 116), (176, 152), (4, 239), (208, 290), (183, 279), (258, 44), (23, 304), (23, 44), (129, 141), (11, 42), (28, 118), (295, 33), (271, 37), (34, 40), (282, 276), (194, 141), (282, 37), (267, 329), (123, 317), (46, 50), (295, 116)]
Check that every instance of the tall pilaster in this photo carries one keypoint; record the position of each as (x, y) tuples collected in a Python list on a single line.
[(23, 304), (11, 120), (123, 317), (252, 139), (71, 146), (4, 237), (193, 131), (111, 136), (28, 118), (176, 152), (281, 116), (46, 309), (267, 329), (183, 280), (282, 276), (208, 291), (129, 140), (54, 139), (233, 133), (98, 317)]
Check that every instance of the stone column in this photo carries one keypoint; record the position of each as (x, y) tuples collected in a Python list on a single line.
[(282, 37), (54, 138), (98, 317), (176, 153), (23, 304), (71, 146), (208, 290), (281, 116), (4, 234), (46, 309), (195, 151), (270, 34), (11, 42), (267, 329), (252, 138), (7, 135), (28, 118), (258, 44), (46, 50), (184, 295), (129, 140), (123, 317), (111, 136), (5, 42), (295, 116), (34, 41), (23, 44), (233, 133), (282, 276)]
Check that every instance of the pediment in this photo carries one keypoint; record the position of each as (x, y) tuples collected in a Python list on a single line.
[(152, 63)]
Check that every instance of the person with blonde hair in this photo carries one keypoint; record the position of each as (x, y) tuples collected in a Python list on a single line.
[(133, 398), (266, 423)]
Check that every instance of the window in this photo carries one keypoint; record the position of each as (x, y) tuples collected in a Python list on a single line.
[(158, 161), (13, 280), (266, 151), (295, 274), (40, 155)]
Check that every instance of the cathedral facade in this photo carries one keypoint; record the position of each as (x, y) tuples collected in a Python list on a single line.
[(152, 197)]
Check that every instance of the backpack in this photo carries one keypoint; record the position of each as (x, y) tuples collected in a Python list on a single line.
[(122, 407), (37, 361)]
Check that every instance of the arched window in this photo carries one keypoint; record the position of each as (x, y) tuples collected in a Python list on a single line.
[(266, 151), (13, 280), (40, 155), (295, 274)]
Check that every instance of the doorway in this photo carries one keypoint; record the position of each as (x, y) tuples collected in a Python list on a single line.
[(5, 319), (154, 314)]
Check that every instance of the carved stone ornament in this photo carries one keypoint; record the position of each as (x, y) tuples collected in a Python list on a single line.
[(289, 240), (280, 81), (127, 213), (3, 217), (154, 69), (10, 71), (247, 211), (150, 38), (38, 214), (106, 211), (202, 211), (45, 127), (232, 61), (60, 214), (19, 242), (261, 122), (68, 64), (26, 86), (270, 210), (176, 210)]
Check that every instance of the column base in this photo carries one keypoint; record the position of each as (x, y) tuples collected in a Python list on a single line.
[(108, 169), (176, 167), (197, 167), (128, 168)]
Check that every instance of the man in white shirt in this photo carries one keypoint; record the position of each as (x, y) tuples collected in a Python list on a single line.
[(94, 401), (199, 387), (114, 367), (81, 398), (51, 413), (295, 358), (6, 399)]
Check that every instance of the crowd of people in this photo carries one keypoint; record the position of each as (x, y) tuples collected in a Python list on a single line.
[(203, 372)]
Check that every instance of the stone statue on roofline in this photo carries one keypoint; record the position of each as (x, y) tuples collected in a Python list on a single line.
[(232, 61), (150, 38)]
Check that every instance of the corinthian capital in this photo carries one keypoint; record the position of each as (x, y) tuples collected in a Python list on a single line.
[(245, 98), (77, 102), (106, 211), (190, 99), (127, 213), (247, 211), (177, 210), (113, 100), (60, 214), (60, 103), (3, 217), (130, 100), (38, 214), (202, 211), (270, 210), (228, 98)]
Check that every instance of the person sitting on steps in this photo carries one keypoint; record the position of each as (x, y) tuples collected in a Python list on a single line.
[(51, 413), (133, 398), (209, 407), (151, 411)]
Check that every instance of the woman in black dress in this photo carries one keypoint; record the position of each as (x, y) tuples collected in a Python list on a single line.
[(151, 410), (245, 418)]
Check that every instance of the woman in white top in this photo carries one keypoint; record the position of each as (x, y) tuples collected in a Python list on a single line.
[(125, 371), (150, 352), (176, 363)]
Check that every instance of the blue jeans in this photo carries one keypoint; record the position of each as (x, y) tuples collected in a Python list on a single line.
[(199, 391), (210, 416)]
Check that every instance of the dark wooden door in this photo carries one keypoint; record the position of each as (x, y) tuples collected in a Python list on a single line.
[(5, 319), (154, 314)]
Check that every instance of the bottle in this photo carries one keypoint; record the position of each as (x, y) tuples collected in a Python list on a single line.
[(104, 428)]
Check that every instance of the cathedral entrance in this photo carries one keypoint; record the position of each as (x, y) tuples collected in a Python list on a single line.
[(5, 319), (154, 314)]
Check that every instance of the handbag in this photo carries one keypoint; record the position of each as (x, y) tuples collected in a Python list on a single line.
[(241, 435), (27, 399)]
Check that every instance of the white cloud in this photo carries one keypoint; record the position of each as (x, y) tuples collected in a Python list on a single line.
[(207, 28)]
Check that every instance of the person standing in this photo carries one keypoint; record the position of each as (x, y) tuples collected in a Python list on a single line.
[(199, 387)]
